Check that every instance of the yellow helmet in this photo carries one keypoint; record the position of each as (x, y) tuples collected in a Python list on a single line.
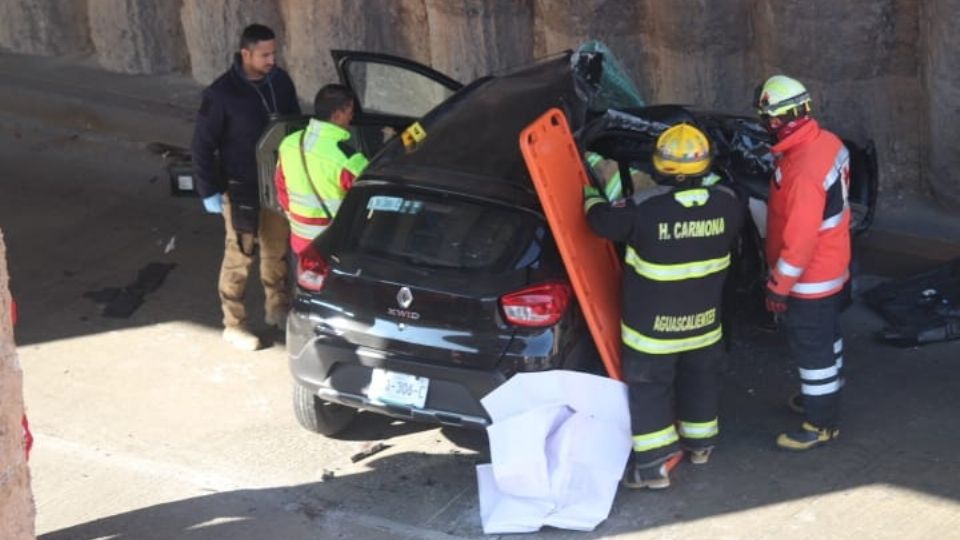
[(781, 95), (682, 150)]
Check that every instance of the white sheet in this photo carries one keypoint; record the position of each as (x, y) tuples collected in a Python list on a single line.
[(558, 445)]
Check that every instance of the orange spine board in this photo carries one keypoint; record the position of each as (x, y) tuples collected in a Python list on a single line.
[(556, 168)]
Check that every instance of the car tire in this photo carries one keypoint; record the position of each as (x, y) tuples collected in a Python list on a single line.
[(320, 416)]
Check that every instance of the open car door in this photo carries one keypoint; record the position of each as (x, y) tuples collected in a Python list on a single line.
[(392, 93)]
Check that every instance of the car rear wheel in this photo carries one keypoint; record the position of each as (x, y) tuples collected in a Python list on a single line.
[(320, 416)]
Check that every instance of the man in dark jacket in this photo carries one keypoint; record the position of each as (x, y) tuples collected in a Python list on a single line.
[(235, 110)]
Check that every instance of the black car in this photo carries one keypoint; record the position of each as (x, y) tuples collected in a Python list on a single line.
[(439, 278)]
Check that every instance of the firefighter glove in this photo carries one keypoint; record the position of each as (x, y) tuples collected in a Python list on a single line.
[(214, 204), (591, 196), (774, 302)]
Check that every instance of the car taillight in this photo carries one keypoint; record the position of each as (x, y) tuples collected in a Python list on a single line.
[(540, 305), (312, 269)]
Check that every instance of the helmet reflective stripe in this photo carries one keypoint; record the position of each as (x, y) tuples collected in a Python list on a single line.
[(676, 272), (781, 94), (646, 344), (656, 439), (699, 430)]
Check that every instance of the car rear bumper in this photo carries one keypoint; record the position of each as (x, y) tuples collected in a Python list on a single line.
[(339, 371)]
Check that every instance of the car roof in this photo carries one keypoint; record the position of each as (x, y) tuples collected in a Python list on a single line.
[(473, 137)]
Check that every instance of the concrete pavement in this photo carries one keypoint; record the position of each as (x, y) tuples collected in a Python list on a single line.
[(150, 427)]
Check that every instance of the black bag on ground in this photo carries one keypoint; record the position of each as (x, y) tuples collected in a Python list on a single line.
[(920, 309)]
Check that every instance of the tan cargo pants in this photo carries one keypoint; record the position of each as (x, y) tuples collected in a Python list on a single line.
[(273, 238)]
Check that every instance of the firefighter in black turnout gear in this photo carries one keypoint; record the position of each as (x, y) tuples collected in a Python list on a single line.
[(678, 239)]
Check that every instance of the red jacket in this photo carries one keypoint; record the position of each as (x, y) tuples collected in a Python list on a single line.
[(808, 216)]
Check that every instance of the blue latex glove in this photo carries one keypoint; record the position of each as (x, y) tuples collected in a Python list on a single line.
[(214, 204)]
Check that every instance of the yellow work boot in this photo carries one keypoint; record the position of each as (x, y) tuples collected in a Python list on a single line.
[(807, 437), (241, 338)]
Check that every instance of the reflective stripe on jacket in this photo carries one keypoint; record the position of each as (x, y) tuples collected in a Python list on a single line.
[(808, 216), (677, 257), (333, 165)]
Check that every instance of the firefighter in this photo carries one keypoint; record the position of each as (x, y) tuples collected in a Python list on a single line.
[(808, 251), (318, 165), (678, 238)]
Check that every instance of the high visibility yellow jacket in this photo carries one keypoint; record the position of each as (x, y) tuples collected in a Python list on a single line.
[(311, 197)]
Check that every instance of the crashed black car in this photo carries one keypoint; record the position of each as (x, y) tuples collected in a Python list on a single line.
[(439, 278)]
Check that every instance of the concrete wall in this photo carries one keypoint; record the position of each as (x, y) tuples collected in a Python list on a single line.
[(879, 68), (16, 500)]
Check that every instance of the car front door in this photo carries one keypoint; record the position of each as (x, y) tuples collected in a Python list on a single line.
[(392, 93)]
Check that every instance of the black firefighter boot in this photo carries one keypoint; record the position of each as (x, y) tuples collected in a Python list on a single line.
[(652, 475)]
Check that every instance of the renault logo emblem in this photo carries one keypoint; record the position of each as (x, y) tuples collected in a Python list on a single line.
[(404, 297)]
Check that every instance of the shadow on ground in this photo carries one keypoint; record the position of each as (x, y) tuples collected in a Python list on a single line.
[(896, 405)]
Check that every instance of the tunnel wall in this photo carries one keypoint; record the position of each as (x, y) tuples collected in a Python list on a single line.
[(879, 69)]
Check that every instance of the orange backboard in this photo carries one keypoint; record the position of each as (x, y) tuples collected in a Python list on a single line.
[(593, 266)]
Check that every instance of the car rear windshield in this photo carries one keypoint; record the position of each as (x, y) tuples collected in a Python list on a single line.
[(441, 231)]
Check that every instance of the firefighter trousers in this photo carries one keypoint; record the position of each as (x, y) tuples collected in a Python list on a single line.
[(674, 399), (239, 254), (813, 334)]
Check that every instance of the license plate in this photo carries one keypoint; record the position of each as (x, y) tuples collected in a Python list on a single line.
[(398, 388)]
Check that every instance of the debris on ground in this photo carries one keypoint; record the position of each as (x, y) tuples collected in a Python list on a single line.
[(368, 450)]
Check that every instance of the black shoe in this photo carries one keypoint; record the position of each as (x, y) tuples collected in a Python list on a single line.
[(807, 437), (654, 475)]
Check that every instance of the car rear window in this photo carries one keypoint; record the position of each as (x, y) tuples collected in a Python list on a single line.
[(442, 231)]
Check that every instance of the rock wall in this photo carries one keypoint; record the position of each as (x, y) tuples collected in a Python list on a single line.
[(211, 29), (941, 81), (45, 27), (16, 500), (131, 36), (884, 69)]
